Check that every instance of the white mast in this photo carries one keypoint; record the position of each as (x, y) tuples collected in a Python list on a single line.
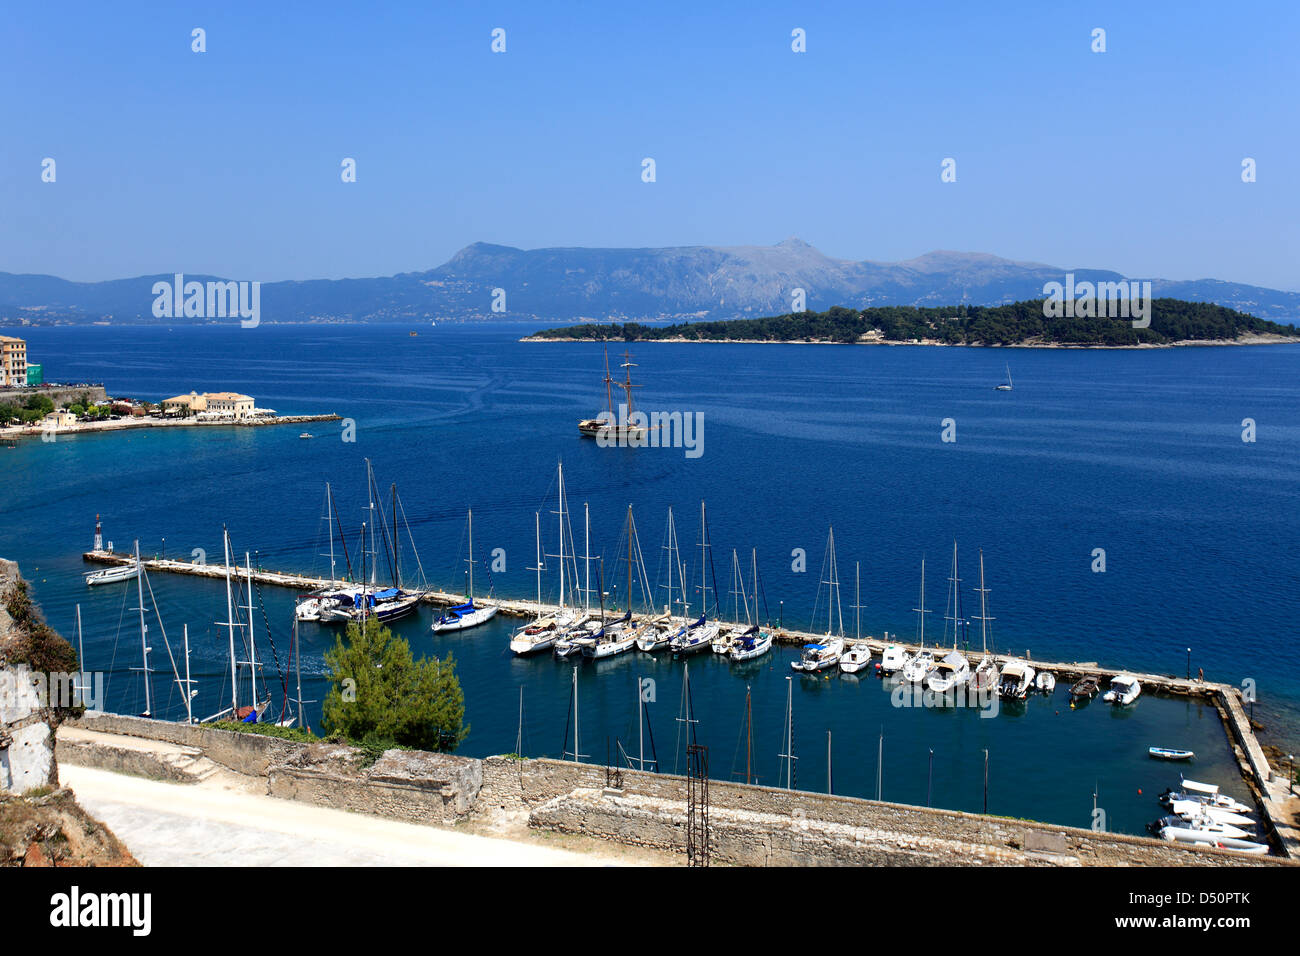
[(984, 613), (329, 520), (561, 480), (921, 612), (537, 521), (470, 596), (297, 664), (230, 622), (586, 553), (144, 647), (189, 694), (80, 688), (252, 647)]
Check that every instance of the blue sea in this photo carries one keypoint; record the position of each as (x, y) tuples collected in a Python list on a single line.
[(1138, 453)]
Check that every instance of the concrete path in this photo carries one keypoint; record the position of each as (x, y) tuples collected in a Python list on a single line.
[(169, 824)]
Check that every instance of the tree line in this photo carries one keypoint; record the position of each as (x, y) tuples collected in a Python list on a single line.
[(1019, 323)]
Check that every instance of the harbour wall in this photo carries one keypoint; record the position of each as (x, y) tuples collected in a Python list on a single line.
[(748, 825)]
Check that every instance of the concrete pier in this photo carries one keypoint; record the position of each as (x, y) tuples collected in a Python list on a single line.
[(1280, 809)]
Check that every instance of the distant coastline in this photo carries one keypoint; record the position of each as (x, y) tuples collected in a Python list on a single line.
[(1265, 339)]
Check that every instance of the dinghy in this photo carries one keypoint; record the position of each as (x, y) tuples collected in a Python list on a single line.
[(1166, 753)]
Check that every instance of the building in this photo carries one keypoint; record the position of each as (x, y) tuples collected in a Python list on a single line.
[(210, 405), (185, 405), (229, 405), (59, 419), (13, 362)]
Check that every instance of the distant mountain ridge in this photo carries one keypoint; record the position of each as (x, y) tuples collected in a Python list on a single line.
[(582, 284)]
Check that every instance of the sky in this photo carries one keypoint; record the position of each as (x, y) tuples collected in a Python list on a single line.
[(228, 161)]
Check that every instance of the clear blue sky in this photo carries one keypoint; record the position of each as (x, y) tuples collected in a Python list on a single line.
[(227, 162)]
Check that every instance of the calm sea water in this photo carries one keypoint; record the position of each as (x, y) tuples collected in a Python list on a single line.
[(1139, 453)]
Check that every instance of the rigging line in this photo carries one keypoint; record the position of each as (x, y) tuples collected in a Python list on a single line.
[(401, 509), (266, 625), (112, 663), (162, 629)]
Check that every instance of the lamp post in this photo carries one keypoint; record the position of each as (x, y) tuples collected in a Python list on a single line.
[(1290, 777), (1189, 663)]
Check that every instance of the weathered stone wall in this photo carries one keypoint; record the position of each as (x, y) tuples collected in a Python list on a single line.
[(772, 826), (402, 784), (26, 723), (749, 825), (249, 754)]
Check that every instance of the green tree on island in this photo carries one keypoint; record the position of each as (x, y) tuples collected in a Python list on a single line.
[(380, 693)]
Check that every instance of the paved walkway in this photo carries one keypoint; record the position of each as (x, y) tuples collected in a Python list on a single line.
[(169, 824)]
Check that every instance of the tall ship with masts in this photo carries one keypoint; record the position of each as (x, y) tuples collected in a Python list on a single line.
[(608, 425)]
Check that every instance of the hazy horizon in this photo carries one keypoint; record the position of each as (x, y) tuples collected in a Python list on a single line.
[(227, 162)]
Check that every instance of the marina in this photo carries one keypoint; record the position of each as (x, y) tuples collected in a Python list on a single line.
[(1268, 787)]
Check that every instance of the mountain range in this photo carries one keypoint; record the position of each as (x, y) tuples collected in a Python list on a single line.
[(580, 284)]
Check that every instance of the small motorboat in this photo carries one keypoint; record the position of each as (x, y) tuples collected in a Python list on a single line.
[(892, 660), (1194, 830), (1191, 809), (1085, 688), (125, 572), (659, 638), (1017, 679), (306, 435), (1168, 753), (918, 667), (1124, 689), (1045, 682), (948, 673), (536, 636), (857, 657), (1228, 843), (1206, 793)]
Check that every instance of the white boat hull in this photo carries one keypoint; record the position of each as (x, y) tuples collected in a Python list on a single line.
[(463, 622)]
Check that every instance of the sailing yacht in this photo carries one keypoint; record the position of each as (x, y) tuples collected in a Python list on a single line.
[(539, 633), (1005, 386), (756, 640), (953, 670), (986, 676), (917, 667), (667, 629), (467, 615), (829, 650), (858, 655), (309, 606), (123, 572), (607, 425), (700, 635)]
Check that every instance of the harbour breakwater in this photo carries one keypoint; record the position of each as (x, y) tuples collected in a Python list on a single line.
[(747, 824), (18, 431)]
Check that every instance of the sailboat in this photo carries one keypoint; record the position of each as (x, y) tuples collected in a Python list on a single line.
[(368, 600), (1005, 386), (249, 713), (858, 655), (917, 667), (757, 640), (700, 635), (607, 424), (309, 606), (469, 614), (666, 629), (827, 652), (953, 670), (740, 600), (571, 622), (538, 634), (985, 679)]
